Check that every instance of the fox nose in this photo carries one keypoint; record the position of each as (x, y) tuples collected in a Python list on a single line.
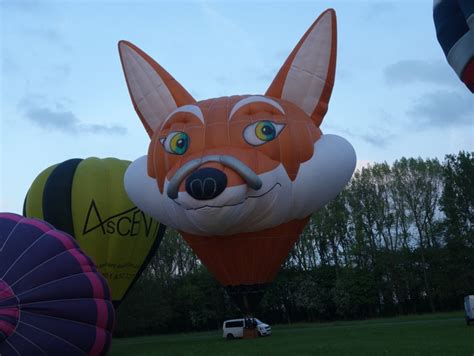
[(206, 183)]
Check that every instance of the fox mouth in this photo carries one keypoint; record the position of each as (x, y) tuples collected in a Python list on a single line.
[(231, 205), (219, 181)]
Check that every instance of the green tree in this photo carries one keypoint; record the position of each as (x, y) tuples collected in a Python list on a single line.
[(457, 203), (419, 184)]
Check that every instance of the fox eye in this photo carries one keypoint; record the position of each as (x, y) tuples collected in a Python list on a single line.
[(176, 142), (262, 132)]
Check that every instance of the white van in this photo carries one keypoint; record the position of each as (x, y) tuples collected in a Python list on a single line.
[(235, 328), (469, 307)]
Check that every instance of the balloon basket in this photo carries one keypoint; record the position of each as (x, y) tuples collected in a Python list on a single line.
[(250, 333)]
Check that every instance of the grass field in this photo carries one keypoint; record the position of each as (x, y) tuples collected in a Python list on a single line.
[(435, 334)]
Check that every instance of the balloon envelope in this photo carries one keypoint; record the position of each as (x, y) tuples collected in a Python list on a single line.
[(52, 299), (239, 176), (454, 22), (86, 198)]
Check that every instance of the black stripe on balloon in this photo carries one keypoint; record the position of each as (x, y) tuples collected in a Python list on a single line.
[(24, 205), (57, 196), (151, 253)]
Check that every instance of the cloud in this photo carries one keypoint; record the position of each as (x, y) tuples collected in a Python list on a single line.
[(450, 105), (9, 65), (196, 94), (444, 108), (264, 75), (378, 8), (60, 119), (230, 35), (47, 33), (282, 54), (24, 23), (224, 80), (416, 71), (57, 72), (22, 6), (378, 137)]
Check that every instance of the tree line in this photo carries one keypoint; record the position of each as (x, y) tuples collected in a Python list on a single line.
[(398, 240)]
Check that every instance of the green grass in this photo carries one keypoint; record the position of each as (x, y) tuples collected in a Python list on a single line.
[(435, 334)]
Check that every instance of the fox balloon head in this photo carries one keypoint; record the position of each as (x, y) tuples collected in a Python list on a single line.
[(242, 163)]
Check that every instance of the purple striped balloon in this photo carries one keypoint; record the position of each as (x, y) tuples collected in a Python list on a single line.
[(53, 301)]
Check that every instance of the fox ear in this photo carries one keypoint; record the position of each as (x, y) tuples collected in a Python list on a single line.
[(154, 92), (307, 76)]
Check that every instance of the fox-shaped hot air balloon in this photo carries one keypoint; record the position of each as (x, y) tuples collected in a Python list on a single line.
[(239, 176)]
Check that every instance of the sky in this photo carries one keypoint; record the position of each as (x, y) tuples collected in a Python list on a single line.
[(63, 93)]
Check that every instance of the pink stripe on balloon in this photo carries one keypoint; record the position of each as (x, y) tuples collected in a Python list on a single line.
[(6, 327), (5, 294), (37, 223), (82, 260), (97, 287), (11, 216), (99, 343), (102, 313), (65, 239), (11, 312), (5, 291)]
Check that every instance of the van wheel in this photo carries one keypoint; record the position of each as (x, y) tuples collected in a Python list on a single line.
[(230, 336), (468, 322), (259, 333)]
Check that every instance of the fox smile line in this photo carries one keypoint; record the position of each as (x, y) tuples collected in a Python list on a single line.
[(230, 205)]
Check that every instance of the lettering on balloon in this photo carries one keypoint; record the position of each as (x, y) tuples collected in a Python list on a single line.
[(126, 223), (112, 271)]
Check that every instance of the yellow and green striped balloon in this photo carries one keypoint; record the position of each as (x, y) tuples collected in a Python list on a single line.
[(86, 198)]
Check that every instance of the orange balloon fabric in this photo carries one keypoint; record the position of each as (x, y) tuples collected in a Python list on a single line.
[(239, 176)]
